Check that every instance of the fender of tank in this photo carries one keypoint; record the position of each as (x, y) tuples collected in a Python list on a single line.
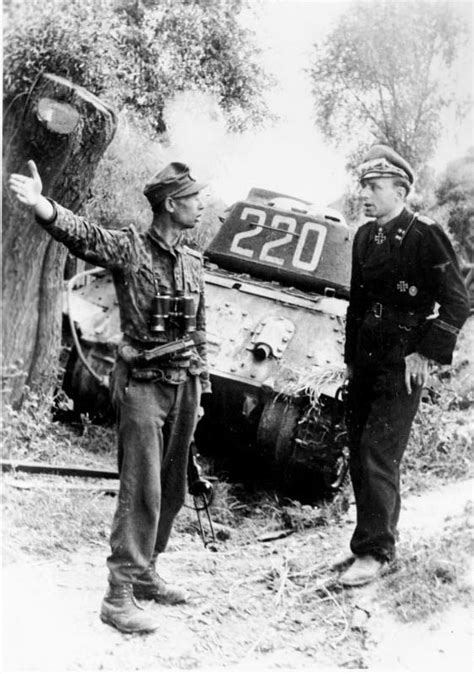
[(277, 278)]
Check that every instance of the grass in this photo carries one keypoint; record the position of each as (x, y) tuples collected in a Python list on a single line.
[(431, 574), (43, 517), (47, 515)]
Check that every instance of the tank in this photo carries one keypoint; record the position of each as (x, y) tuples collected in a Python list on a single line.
[(277, 280)]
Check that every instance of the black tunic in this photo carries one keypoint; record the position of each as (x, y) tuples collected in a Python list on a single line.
[(408, 266)]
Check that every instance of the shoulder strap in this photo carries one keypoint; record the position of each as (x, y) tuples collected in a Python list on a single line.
[(425, 219), (193, 252)]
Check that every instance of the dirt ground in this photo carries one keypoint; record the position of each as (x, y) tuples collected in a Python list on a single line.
[(256, 606)]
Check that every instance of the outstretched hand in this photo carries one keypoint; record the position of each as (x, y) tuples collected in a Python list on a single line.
[(27, 188)]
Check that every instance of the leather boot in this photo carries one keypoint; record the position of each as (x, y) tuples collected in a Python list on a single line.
[(151, 586), (364, 570), (120, 610)]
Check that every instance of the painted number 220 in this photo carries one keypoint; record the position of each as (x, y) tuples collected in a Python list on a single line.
[(278, 222)]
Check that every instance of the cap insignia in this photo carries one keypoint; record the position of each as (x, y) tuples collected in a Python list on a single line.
[(402, 286)]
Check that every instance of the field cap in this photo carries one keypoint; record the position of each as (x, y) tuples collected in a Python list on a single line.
[(174, 180), (383, 162)]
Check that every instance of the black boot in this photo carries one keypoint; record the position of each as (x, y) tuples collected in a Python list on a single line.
[(151, 586), (120, 610)]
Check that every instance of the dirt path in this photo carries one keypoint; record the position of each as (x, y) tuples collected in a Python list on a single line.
[(257, 607)]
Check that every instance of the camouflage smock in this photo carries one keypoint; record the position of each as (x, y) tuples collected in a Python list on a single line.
[(139, 263)]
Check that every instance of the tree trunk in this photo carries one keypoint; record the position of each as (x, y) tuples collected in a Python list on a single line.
[(65, 130)]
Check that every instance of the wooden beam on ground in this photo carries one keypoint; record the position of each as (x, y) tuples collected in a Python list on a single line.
[(108, 487), (73, 471)]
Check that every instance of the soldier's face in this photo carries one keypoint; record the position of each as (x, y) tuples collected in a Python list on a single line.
[(380, 197), (186, 211)]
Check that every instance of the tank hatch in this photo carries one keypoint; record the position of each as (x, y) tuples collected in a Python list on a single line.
[(278, 238)]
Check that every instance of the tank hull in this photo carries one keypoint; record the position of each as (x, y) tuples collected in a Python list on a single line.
[(261, 399)]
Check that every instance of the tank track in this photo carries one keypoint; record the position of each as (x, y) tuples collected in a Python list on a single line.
[(321, 443)]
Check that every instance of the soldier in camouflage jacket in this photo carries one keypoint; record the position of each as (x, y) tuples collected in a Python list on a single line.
[(156, 401)]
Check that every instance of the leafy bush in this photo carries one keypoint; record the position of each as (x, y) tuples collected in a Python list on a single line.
[(31, 434), (40, 36), (439, 449), (137, 55), (455, 192)]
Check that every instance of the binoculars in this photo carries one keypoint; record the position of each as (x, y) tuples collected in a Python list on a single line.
[(178, 310)]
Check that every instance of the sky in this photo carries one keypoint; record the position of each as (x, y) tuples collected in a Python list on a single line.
[(291, 157)]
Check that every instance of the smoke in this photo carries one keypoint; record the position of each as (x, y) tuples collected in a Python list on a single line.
[(288, 158)]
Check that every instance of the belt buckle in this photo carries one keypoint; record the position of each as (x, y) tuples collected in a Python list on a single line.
[(377, 309)]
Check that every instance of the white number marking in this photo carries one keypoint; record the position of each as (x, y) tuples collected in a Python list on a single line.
[(318, 248), (276, 222), (235, 247)]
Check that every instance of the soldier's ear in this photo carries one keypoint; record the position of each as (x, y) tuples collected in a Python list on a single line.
[(169, 205), (402, 192)]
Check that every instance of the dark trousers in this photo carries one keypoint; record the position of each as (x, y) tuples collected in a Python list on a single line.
[(155, 422), (380, 415)]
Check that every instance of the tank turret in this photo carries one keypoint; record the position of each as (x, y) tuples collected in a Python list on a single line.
[(276, 238)]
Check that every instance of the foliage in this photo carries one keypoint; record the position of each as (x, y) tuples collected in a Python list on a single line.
[(39, 36), (440, 444), (456, 191), (31, 434), (197, 45), (380, 75), (136, 55), (116, 197)]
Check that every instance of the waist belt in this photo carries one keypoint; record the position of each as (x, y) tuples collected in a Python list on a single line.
[(166, 375), (410, 317)]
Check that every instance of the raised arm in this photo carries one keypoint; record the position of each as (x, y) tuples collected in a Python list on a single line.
[(87, 240)]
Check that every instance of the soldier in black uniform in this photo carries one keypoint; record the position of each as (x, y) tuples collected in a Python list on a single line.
[(407, 305), (157, 380)]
